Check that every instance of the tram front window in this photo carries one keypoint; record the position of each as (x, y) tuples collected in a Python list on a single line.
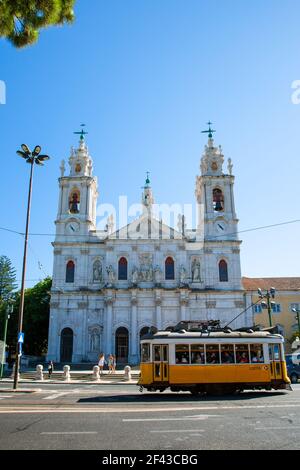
[(145, 352)]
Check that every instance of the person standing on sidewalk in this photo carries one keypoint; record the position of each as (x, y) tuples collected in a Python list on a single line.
[(110, 364), (50, 369)]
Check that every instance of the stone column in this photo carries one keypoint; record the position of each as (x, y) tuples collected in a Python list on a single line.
[(133, 330), (184, 300), (108, 320), (158, 317)]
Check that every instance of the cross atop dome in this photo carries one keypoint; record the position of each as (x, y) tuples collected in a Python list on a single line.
[(209, 131), (82, 133)]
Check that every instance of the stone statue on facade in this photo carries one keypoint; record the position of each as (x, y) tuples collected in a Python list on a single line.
[(135, 275), (183, 275), (146, 270), (97, 271), (157, 275), (196, 273), (95, 341), (229, 166), (62, 168), (111, 275)]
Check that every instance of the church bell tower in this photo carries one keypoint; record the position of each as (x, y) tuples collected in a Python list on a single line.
[(214, 193), (77, 193)]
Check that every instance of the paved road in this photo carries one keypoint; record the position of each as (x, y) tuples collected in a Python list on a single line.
[(118, 417)]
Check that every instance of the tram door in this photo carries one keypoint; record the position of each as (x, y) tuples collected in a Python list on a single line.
[(275, 361), (160, 362)]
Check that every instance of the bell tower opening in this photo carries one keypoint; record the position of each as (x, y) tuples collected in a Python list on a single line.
[(218, 200)]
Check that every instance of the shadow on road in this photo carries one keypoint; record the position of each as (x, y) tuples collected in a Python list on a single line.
[(177, 397)]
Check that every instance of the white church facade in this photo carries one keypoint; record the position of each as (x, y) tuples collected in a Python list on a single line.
[(109, 286)]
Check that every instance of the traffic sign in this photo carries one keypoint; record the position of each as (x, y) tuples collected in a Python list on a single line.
[(21, 338)]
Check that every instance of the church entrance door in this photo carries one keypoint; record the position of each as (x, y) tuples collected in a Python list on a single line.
[(122, 345), (66, 345)]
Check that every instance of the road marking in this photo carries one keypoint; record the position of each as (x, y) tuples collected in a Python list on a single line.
[(149, 409), (177, 430), (277, 427), (5, 396), (56, 395), (183, 418), (68, 432)]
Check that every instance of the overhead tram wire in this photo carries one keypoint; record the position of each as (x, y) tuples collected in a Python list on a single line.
[(216, 236)]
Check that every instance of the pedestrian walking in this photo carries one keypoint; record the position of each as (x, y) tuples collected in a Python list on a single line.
[(114, 364), (101, 362), (110, 364), (50, 369)]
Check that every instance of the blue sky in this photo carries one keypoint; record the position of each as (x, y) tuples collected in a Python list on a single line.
[(145, 76)]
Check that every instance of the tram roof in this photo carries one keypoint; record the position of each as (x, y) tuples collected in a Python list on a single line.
[(210, 335)]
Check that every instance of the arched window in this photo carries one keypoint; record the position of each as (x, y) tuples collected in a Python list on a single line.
[(223, 271), (169, 269), (122, 269), (74, 202), (70, 271), (218, 200)]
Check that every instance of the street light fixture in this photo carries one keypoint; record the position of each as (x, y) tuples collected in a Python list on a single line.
[(32, 158), (9, 311), (269, 304), (297, 312)]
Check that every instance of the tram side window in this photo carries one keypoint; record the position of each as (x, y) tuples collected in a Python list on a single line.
[(182, 354), (227, 354), (242, 353), (256, 353), (212, 354), (145, 352), (197, 354)]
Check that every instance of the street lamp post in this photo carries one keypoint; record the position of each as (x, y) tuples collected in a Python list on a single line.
[(31, 158), (9, 311), (270, 294), (297, 312)]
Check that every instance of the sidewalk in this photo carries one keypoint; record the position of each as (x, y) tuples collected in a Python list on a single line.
[(78, 377)]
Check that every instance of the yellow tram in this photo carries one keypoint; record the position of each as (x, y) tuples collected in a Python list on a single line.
[(202, 357)]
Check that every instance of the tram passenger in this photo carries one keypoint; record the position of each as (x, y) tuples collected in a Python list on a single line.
[(212, 358), (197, 359), (257, 357), (227, 358), (242, 358), (184, 359)]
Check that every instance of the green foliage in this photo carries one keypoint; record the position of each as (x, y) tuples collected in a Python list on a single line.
[(21, 20), (35, 318), (7, 279)]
